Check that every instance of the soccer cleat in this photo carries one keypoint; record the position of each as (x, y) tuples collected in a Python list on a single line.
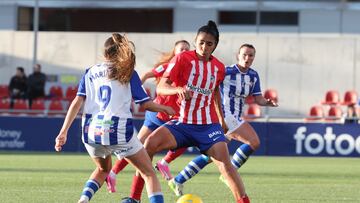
[(83, 201), (129, 200), (222, 179), (177, 188), (164, 170), (111, 184)]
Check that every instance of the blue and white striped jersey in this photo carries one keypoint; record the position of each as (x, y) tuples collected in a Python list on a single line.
[(107, 117), (236, 87)]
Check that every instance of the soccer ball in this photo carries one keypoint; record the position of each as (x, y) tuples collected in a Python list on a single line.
[(189, 198)]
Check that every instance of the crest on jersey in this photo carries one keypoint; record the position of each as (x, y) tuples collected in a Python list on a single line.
[(212, 78), (159, 69)]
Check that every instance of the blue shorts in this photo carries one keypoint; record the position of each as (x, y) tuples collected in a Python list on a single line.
[(200, 136), (151, 121)]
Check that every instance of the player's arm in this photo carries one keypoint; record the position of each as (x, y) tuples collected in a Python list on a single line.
[(152, 106), (218, 109), (164, 87), (262, 101), (146, 76), (70, 116)]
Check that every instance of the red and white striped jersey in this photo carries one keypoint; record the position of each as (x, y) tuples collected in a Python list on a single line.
[(201, 78), (161, 99)]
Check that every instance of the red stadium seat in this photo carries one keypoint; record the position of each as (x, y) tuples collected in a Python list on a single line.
[(316, 113), (4, 106), (334, 113), (56, 108), (20, 106), (253, 111), (332, 97), (350, 98), (70, 93), (271, 94), (56, 92), (4, 91), (37, 107)]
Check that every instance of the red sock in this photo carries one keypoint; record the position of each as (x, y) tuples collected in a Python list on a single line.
[(244, 199), (137, 187), (119, 165), (172, 155)]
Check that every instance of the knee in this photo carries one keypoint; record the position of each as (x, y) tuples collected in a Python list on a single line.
[(151, 146), (255, 144)]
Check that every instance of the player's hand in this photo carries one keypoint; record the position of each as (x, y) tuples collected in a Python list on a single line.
[(270, 102), (183, 93), (170, 111), (60, 140)]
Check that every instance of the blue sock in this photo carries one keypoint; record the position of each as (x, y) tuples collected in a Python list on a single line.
[(156, 198), (241, 155), (192, 168), (91, 186)]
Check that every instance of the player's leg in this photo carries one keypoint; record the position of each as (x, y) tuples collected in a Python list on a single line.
[(190, 170), (120, 164), (163, 165), (142, 163), (220, 155), (160, 139), (102, 159), (246, 134)]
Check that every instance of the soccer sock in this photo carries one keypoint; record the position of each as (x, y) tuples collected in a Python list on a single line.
[(241, 155), (137, 187), (91, 186), (119, 165), (156, 197), (172, 155), (192, 168)]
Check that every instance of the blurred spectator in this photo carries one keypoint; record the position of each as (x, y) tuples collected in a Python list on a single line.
[(18, 86), (36, 84), (352, 114)]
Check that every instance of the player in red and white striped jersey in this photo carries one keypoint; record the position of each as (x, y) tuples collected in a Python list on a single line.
[(195, 77)]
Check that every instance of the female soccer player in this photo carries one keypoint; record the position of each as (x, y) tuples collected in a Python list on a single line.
[(106, 91), (195, 76), (240, 82), (151, 121)]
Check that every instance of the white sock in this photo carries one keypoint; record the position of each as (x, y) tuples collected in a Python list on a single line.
[(163, 162), (112, 174)]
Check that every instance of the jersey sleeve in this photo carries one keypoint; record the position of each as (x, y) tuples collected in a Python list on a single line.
[(82, 86), (173, 70), (256, 89), (137, 89), (158, 71)]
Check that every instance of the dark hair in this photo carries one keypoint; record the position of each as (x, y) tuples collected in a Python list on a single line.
[(248, 46), (120, 52), (210, 28), (21, 69)]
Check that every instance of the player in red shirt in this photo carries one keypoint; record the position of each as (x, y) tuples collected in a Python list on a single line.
[(195, 77), (151, 120)]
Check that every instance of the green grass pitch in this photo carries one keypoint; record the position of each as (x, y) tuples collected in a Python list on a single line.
[(60, 177)]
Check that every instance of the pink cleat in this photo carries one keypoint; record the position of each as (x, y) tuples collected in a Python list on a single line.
[(164, 170), (111, 184)]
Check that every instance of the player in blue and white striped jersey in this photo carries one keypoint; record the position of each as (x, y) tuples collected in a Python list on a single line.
[(240, 82), (106, 91)]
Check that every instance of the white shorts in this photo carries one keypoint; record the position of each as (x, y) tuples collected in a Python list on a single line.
[(120, 150), (233, 123)]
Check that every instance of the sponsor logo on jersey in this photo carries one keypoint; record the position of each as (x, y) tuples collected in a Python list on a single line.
[(199, 89)]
